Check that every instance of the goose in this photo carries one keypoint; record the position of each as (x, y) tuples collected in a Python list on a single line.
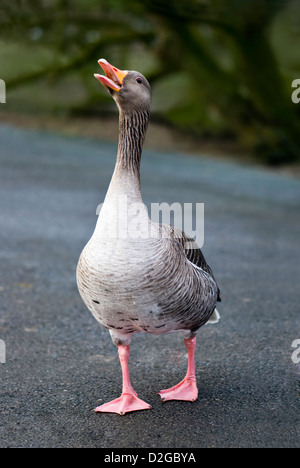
[(135, 275)]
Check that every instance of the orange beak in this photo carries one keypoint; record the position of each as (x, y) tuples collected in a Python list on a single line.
[(113, 78)]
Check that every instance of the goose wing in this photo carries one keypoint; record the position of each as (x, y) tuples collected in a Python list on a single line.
[(192, 251)]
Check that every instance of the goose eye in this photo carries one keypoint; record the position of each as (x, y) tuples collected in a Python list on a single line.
[(139, 80)]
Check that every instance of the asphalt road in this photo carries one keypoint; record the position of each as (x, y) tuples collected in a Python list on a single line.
[(60, 363)]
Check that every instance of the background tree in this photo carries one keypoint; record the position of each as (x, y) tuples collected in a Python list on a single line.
[(216, 58)]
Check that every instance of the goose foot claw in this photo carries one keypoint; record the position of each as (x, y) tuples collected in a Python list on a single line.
[(186, 391), (126, 403)]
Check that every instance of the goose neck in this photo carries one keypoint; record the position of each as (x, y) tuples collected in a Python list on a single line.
[(132, 132)]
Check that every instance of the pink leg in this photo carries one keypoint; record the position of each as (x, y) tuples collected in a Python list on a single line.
[(187, 389), (129, 400)]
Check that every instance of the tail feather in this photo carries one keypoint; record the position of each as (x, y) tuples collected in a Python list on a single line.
[(215, 317)]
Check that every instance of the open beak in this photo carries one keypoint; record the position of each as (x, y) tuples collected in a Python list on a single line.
[(113, 78)]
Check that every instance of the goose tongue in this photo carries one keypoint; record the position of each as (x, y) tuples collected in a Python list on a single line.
[(113, 78)]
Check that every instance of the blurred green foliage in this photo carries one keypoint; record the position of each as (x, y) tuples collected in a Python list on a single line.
[(219, 68)]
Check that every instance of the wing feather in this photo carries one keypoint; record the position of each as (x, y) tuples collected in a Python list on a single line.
[(192, 251)]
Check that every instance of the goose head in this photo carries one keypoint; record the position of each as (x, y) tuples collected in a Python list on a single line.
[(130, 89)]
